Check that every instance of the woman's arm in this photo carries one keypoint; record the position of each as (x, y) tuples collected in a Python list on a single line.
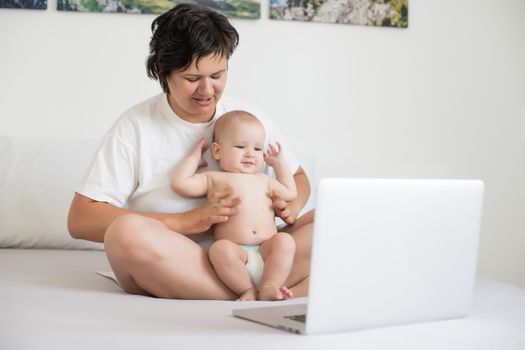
[(89, 219)]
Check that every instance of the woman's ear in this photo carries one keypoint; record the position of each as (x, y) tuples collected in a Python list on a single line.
[(216, 151)]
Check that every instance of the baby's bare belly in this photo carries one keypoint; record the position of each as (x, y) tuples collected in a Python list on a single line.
[(252, 226), (255, 221)]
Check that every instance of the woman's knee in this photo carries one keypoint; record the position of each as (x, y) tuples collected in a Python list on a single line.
[(130, 236), (303, 242)]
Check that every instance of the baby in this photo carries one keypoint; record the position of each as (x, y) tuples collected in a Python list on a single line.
[(248, 254)]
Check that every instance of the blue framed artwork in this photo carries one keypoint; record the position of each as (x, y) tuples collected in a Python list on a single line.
[(24, 4)]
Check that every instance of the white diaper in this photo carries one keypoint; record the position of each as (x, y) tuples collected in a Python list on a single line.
[(254, 263)]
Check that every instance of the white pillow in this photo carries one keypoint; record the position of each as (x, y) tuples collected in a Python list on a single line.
[(38, 177)]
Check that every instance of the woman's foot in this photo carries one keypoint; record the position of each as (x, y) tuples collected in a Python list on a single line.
[(250, 294), (271, 292)]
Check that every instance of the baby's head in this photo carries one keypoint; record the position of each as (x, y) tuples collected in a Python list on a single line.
[(238, 143)]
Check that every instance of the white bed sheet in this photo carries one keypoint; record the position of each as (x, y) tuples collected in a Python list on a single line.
[(53, 299)]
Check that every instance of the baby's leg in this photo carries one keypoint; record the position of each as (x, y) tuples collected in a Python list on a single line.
[(229, 261), (278, 254)]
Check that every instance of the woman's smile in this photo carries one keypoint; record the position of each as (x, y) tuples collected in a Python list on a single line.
[(203, 101)]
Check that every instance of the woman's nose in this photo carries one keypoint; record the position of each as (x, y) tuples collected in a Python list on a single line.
[(206, 87)]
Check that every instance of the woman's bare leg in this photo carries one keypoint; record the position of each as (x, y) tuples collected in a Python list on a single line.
[(229, 261), (148, 258), (277, 253), (306, 218), (301, 231)]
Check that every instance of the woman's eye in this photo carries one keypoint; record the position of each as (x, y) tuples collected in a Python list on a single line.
[(192, 80), (216, 76)]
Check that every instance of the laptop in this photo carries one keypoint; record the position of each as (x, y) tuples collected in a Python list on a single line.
[(385, 252)]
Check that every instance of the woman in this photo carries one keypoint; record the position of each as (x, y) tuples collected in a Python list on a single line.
[(149, 232)]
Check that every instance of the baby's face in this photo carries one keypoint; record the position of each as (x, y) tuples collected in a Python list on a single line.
[(242, 148)]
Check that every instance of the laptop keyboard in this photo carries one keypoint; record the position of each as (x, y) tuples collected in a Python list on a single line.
[(298, 318)]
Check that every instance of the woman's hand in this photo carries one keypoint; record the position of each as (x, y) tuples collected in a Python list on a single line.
[(221, 205), (282, 209)]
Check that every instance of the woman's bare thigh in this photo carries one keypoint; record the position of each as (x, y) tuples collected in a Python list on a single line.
[(301, 264), (148, 258)]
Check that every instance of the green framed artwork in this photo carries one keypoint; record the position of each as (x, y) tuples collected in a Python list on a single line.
[(385, 13), (24, 4), (250, 9)]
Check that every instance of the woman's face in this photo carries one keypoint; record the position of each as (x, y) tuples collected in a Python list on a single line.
[(194, 92)]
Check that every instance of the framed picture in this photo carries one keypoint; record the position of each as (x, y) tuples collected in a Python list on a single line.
[(385, 13), (24, 4), (250, 9)]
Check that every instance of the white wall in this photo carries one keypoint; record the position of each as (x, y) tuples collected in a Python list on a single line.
[(443, 98)]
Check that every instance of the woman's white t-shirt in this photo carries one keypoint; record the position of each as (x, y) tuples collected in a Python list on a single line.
[(132, 166)]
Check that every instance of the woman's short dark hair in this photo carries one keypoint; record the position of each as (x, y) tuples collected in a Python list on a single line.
[(184, 33)]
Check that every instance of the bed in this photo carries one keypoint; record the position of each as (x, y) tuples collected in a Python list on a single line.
[(52, 297)]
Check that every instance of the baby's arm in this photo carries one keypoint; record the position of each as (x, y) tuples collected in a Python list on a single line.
[(284, 184), (184, 181)]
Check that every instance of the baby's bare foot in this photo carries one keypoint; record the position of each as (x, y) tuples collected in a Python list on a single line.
[(250, 294), (271, 292), (287, 294)]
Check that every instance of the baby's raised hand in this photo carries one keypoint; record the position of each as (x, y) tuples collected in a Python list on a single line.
[(273, 156), (200, 147)]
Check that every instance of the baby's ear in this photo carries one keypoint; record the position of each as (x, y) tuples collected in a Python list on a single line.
[(216, 151)]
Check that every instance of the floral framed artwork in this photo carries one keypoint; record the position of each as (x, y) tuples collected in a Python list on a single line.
[(385, 13), (250, 9), (24, 4)]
